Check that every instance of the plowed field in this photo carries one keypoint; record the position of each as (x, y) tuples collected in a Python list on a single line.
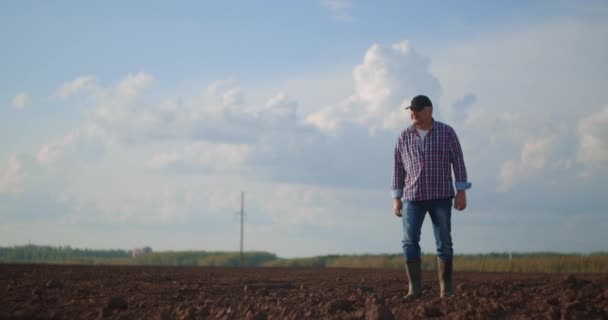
[(92, 292)]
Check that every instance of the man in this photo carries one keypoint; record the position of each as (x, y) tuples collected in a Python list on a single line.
[(425, 154)]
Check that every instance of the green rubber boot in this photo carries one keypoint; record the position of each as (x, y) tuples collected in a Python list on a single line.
[(413, 269), (444, 267)]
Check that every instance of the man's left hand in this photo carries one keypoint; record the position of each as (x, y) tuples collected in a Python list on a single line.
[(460, 203)]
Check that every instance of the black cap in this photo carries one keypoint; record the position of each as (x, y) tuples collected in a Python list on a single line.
[(419, 102)]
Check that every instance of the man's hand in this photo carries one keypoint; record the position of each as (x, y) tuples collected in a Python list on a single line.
[(460, 203), (397, 207)]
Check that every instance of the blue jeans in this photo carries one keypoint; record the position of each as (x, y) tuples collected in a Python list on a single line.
[(413, 213)]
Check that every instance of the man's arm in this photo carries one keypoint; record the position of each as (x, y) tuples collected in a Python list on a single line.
[(398, 178), (460, 171)]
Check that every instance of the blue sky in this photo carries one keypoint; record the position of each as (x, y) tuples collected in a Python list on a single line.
[(139, 123)]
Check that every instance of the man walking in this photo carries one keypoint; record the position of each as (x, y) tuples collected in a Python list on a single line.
[(425, 155)]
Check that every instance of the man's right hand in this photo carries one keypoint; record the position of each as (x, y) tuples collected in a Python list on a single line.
[(397, 205)]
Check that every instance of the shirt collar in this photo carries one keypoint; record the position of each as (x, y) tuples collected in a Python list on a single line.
[(412, 130)]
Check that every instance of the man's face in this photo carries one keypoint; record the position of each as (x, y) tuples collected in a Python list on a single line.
[(423, 116)]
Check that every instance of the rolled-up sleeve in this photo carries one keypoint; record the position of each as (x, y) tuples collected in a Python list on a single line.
[(398, 171), (457, 161)]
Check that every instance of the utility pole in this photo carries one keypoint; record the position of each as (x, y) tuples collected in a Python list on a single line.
[(242, 216)]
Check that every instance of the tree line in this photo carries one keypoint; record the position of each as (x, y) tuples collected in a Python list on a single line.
[(491, 262)]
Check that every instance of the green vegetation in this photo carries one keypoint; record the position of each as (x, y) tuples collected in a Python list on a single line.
[(537, 262), (203, 258), (48, 254), (67, 255), (492, 262)]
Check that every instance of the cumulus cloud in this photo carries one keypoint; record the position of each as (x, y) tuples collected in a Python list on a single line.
[(221, 131), (593, 139), (13, 175), (133, 84), (331, 168), (280, 110), (282, 105), (120, 116), (50, 151), (388, 77), (461, 108), (535, 154), (20, 101), (79, 84), (233, 98), (513, 76), (218, 115)]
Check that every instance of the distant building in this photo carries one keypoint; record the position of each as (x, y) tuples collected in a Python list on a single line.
[(140, 251)]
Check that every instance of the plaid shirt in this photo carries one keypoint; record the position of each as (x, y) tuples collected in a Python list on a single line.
[(423, 169)]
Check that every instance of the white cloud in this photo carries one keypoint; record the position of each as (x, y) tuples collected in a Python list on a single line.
[(339, 8), (280, 110), (11, 179), (516, 69), (233, 98), (263, 140), (593, 139), (79, 84), (219, 114), (513, 73), (221, 131), (534, 156), (461, 108), (133, 84), (204, 155), (20, 101), (50, 151), (388, 77), (323, 165)]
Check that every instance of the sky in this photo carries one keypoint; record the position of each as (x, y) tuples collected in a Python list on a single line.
[(125, 124)]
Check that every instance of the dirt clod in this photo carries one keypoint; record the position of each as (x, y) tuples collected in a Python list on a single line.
[(117, 302), (54, 284), (339, 305), (378, 312)]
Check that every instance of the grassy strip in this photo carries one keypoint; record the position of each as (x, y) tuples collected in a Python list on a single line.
[(493, 262)]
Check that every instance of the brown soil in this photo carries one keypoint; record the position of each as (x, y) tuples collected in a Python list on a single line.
[(91, 292)]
